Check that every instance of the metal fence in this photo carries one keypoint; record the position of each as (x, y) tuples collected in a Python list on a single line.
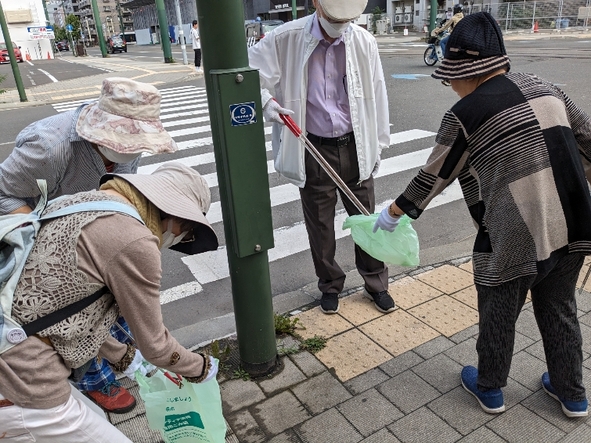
[(530, 15)]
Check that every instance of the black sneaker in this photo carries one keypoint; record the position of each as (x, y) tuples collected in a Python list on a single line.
[(329, 303), (382, 300)]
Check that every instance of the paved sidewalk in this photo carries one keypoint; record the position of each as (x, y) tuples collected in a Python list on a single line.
[(395, 377), (154, 72)]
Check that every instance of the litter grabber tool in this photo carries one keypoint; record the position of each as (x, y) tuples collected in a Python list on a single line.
[(294, 128)]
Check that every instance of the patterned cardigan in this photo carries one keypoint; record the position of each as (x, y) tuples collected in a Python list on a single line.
[(521, 150)]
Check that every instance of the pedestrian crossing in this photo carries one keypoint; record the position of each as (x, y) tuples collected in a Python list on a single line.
[(185, 116)]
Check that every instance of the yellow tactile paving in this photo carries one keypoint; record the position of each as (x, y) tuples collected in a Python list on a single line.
[(467, 296), (467, 266), (352, 354), (447, 278), (357, 309), (446, 315), (408, 292), (318, 323), (398, 332)]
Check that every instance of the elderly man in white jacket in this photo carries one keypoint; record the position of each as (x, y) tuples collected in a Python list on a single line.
[(326, 72)]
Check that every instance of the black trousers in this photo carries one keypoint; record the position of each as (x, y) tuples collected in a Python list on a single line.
[(197, 57), (555, 309), (319, 199)]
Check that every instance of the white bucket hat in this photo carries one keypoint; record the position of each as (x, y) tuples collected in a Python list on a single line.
[(126, 119), (180, 191), (343, 10)]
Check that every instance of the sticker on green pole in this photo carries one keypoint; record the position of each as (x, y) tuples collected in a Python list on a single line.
[(243, 114)]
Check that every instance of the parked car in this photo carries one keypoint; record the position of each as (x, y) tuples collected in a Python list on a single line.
[(268, 25), (62, 45), (5, 58), (116, 44)]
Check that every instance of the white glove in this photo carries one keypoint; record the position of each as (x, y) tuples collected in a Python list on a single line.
[(386, 222), (138, 364), (213, 370), (272, 110)]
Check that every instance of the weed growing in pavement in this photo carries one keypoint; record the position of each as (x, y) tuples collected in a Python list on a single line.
[(2, 77), (314, 344), (283, 350), (285, 324), (241, 373), (216, 352)]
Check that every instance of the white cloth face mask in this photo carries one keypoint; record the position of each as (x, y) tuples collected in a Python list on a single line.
[(117, 157), (334, 30), (169, 239)]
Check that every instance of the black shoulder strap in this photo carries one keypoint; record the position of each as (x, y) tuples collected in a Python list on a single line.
[(61, 314)]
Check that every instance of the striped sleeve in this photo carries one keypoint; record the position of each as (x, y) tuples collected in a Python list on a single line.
[(444, 165)]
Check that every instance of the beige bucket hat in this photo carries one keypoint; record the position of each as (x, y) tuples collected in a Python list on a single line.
[(126, 119), (341, 10), (180, 191)]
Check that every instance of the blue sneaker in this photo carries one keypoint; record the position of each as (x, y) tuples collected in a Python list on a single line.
[(570, 408), (491, 401)]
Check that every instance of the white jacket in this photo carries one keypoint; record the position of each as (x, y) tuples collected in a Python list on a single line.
[(282, 60)]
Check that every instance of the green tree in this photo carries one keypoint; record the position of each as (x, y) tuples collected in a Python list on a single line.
[(60, 33), (376, 15), (74, 20)]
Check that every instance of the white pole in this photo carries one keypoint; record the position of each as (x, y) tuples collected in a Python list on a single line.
[(179, 20)]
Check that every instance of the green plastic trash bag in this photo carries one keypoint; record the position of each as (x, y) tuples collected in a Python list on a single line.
[(189, 414), (400, 247)]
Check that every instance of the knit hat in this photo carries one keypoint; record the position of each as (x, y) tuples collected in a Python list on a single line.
[(343, 11), (126, 119), (180, 191), (475, 48)]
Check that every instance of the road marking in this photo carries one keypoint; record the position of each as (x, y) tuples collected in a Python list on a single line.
[(179, 292), (51, 77), (29, 62)]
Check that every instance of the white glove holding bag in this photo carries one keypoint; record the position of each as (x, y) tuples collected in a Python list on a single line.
[(213, 370), (272, 110), (138, 363), (386, 222)]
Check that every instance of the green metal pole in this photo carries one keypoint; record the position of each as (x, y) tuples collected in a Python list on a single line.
[(233, 92), (294, 9), (15, 71), (45, 10), (432, 16), (121, 21), (164, 39), (99, 28)]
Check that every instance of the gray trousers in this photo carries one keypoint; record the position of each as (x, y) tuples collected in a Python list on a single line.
[(555, 309), (319, 199)]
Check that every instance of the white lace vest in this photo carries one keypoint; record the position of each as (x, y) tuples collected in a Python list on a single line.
[(51, 280)]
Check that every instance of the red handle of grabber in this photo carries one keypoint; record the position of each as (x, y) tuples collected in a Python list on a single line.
[(291, 125)]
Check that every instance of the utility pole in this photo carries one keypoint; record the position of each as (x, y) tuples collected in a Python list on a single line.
[(234, 99), (99, 28), (432, 16), (8, 42), (179, 20), (164, 38), (121, 20)]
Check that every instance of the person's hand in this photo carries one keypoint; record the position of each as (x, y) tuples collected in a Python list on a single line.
[(272, 110), (386, 222), (138, 363), (213, 370), (376, 168)]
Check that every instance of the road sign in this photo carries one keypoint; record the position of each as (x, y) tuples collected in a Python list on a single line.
[(69, 27), (40, 32)]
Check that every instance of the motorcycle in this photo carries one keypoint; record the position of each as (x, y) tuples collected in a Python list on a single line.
[(433, 53)]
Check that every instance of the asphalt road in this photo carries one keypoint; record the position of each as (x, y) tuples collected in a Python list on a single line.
[(416, 102)]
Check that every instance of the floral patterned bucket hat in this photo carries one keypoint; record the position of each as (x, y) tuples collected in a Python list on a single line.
[(126, 119)]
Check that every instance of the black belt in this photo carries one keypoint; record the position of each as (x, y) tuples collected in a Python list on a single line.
[(339, 142)]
